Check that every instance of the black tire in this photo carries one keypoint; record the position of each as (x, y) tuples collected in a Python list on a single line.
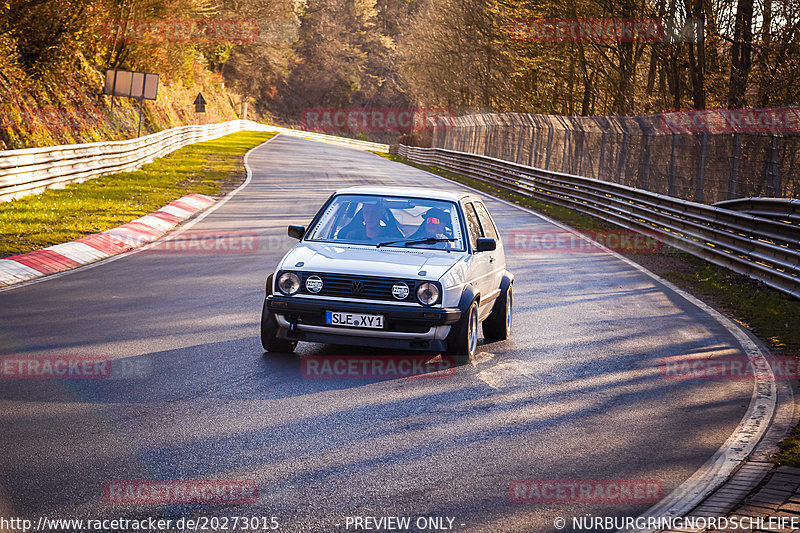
[(462, 342), (269, 334), (497, 326)]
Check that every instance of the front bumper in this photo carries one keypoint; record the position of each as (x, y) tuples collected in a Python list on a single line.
[(405, 327)]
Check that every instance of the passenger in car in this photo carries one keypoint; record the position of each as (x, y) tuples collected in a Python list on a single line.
[(434, 225)]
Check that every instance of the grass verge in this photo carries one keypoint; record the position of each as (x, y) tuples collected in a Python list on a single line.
[(61, 215), (772, 316)]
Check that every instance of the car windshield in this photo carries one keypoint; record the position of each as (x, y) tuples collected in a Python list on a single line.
[(390, 221)]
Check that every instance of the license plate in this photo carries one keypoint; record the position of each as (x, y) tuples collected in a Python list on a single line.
[(353, 320)]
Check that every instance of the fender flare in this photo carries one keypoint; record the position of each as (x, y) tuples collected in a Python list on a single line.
[(469, 295), (269, 287), (505, 283)]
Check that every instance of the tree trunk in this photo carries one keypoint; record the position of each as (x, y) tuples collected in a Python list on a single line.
[(741, 53), (695, 15)]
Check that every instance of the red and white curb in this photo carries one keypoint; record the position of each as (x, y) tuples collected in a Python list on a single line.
[(136, 233)]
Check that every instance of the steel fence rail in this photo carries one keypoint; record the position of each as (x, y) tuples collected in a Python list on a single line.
[(33, 170), (344, 141), (765, 249), (785, 209)]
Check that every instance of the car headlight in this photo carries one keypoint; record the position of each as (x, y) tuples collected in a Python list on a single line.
[(289, 283), (427, 293)]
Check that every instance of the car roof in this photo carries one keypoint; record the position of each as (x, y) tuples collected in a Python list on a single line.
[(406, 192)]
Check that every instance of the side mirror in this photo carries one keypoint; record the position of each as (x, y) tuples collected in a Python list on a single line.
[(486, 244), (297, 232)]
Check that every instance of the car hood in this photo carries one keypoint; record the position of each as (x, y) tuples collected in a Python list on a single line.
[(370, 261)]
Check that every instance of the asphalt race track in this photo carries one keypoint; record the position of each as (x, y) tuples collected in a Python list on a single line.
[(576, 393)]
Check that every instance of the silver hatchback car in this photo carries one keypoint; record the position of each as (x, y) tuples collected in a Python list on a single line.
[(406, 268)]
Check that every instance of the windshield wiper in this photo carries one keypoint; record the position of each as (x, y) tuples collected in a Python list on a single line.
[(429, 240)]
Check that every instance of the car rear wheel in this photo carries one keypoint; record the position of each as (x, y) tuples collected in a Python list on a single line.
[(498, 325), (463, 342), (269, 334)]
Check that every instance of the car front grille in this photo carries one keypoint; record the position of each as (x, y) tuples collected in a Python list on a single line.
[(347, 286)]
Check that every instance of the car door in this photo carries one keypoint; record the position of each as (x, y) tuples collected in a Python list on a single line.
[(496, 258), (480, 266)]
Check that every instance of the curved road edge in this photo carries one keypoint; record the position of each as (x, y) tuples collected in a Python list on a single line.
[(755, 423), (116, 243), (712, 474)]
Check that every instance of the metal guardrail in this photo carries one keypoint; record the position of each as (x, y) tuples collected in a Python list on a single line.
[(785, 209), (762, 248), (344, 141), (33, 170)]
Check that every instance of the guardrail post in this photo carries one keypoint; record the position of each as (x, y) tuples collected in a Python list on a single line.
[(701, 170), (733, 180), (139, 131), (771, 169), (602, 155), (644, 170), (531, 146), (518, 157), (549, 145), (579, 151), (673, 165), (622, 154)]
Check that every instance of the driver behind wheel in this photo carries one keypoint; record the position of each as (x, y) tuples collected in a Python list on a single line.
[(366, 225)]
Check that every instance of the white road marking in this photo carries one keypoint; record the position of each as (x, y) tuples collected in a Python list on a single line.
[(176, 211), (194, 202), (155, 222), (78, 252), (13, 272), (510, 373)]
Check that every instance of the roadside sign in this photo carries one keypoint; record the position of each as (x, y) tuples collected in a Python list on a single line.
[(200, 103), (140, 85)]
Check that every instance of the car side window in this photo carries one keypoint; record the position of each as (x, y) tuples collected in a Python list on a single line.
[(473, 225), (486, 221)]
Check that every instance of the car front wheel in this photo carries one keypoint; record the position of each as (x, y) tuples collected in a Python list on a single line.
[(269, 334), (463, 342), (498, 325)]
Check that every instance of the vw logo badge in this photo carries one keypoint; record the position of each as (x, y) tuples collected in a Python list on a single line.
[(314, 284), (400, 290), (357, 287)]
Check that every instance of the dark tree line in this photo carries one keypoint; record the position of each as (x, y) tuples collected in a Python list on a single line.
[(452, 53)]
